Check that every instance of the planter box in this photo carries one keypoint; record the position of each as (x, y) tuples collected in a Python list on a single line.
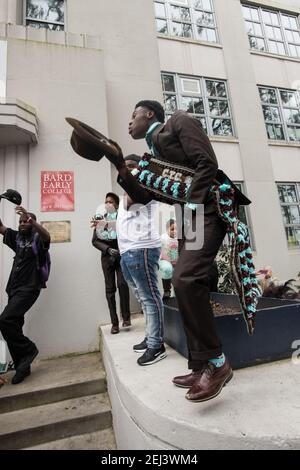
[(277, 327)]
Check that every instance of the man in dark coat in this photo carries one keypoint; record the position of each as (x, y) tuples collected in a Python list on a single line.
[(181, 140)]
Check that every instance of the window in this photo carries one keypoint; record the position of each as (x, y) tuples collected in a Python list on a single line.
[(272, 31), (187, 19), (48, 14), (289, 196), (206, 99), (281, 109)]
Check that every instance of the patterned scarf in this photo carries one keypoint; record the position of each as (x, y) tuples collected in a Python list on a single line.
[(241, 258)]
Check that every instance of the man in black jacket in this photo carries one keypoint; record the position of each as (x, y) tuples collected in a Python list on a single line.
[(23, 288), (181, 140), (105, 240)]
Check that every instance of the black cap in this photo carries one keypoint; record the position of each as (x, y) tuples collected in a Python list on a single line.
[(12, 196), (154, 106)]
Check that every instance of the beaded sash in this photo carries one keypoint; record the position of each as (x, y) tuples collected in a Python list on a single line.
[(170, 183)]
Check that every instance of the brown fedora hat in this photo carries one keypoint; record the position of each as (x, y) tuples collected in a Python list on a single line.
[(89, 143)]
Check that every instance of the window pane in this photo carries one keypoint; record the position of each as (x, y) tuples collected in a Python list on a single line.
[(204, 19), (274, 19), (199, 107), (183, 30), (291, 214), (275, 132), (170, 103), (257, 29), (268, 96), (222, 127), (161, 26), (288, 98), (203, 124), (168, 83), (192, 105), (221, 89), (207, 5), (180, 14), (271, 114), (211, 35), (266, 17), (281, 192), (246, 13), (227, 127), (218, 108), (291, 116), (52, 27), (224, 109), (211, 88), (254, 14), (214, 107), (216, 126), (289, 35), (187, 104), (287, 193), (190, 86), (47, 10), (256, 43), (270, 32), (296, 37), (293, 133), (160, 9), (293, 236), (273, 47), (281, 48)]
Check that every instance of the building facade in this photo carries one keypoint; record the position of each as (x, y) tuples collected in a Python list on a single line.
[(234, 65)]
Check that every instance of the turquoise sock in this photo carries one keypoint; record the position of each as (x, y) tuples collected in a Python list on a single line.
[(218, 361)]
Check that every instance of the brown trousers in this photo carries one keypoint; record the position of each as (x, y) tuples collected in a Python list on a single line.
[(191, 285)]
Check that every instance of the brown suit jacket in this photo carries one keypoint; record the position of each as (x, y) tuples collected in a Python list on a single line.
[(183, 141)]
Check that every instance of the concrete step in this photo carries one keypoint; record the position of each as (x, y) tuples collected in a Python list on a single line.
[(51, 422), (55, 380), (100, 440)]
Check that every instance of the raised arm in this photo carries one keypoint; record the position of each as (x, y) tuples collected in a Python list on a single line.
[(43, 233)]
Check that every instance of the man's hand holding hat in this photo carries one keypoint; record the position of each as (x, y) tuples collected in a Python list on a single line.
[(92, 145)]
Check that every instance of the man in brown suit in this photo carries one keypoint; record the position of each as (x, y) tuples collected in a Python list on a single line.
[(182, 140)]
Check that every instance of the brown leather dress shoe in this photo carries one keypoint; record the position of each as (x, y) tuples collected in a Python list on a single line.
[(115, 329), (210, 383), (187, 381), (126, 323)]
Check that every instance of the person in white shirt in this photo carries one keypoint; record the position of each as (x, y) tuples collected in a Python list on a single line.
[(140, 247)]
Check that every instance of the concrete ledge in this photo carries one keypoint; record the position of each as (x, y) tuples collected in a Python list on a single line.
[(63, 38), (18, 123), (259, 409)]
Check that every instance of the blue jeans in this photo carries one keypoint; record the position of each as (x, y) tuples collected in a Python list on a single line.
[(140, 270)]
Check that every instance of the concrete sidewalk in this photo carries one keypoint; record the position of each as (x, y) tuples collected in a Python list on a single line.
[(259, 409)]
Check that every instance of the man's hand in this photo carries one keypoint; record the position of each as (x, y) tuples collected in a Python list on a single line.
[(21, 211), (113, 252), (117, 160)]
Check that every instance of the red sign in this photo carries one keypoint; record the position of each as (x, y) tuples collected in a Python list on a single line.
[(57, 191)]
